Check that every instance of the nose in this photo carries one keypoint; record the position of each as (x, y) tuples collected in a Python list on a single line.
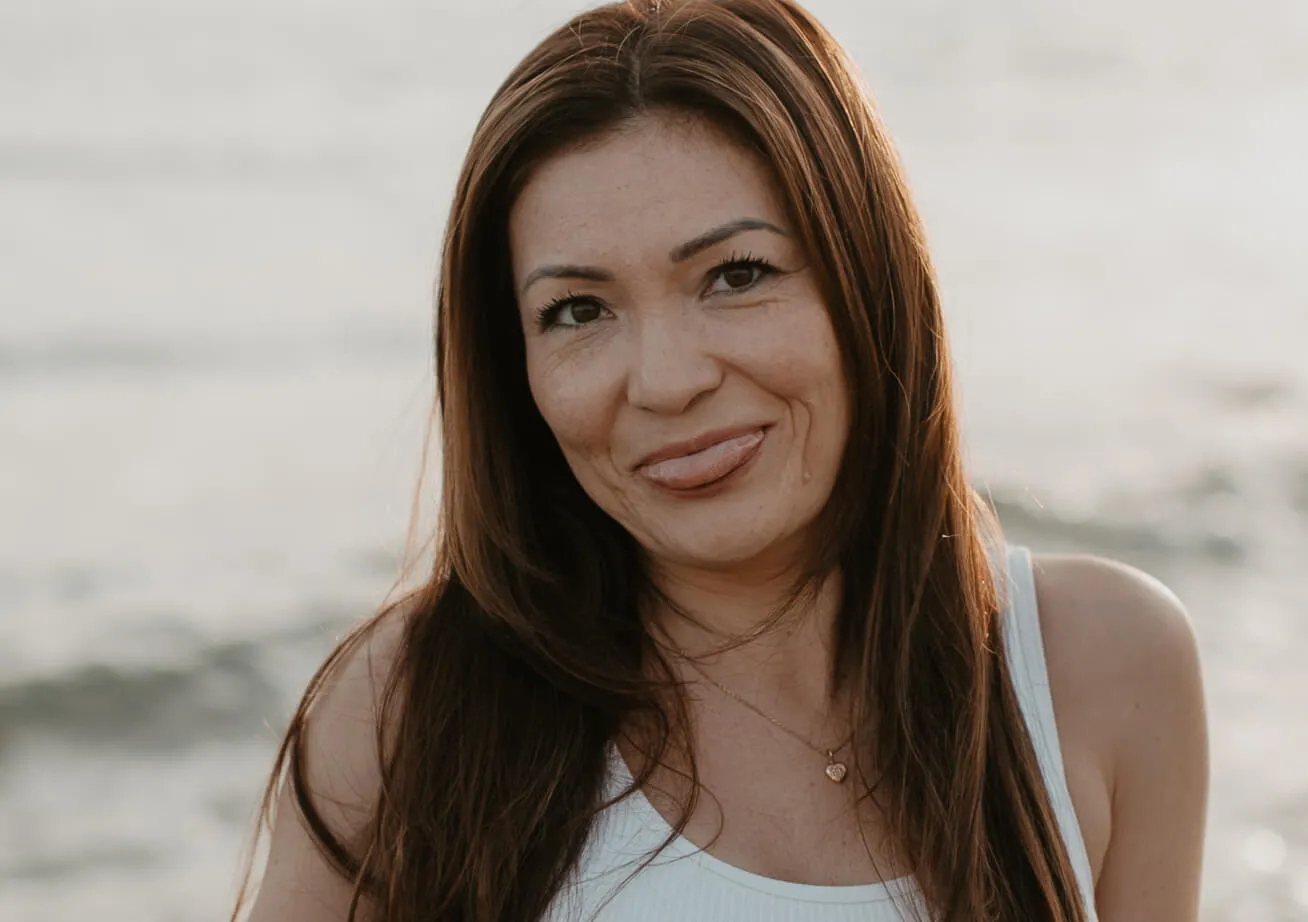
[(670, 364)]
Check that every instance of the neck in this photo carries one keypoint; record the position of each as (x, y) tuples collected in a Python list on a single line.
[(787, 664)]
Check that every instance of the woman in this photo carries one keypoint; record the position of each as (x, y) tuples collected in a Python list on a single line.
[(717, 629)]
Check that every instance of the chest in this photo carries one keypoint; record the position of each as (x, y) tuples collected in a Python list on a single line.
[(636, 870), (770, 809)]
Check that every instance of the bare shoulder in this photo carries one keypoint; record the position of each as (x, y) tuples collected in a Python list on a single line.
[(1122, 652), (1126, 682), (348, 721), (345, 734), (1108, 622)]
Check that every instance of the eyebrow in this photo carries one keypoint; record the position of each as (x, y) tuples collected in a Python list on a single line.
[(720, 233), (679, 253), (588, 273)]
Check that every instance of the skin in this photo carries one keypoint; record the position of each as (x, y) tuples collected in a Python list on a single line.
[(660, 350), (670, 348)]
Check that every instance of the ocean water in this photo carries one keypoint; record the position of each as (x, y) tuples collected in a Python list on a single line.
[(218, 230)]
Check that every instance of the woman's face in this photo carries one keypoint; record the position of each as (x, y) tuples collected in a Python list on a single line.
[(677, 344)]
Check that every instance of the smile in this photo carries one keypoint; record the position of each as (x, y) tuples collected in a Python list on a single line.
[(696, 467)]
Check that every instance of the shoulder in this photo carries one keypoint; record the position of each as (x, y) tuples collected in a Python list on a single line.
[(1126, 683), (1122, 651), (348, 723), (1116, 632), (1117, 618), (344, 733)]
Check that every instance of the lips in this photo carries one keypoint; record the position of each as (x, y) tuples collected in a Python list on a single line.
[(703, 461)]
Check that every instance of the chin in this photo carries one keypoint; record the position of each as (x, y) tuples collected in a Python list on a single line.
[(713, 542)]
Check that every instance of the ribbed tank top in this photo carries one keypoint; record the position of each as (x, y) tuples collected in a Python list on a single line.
[(686, 884)]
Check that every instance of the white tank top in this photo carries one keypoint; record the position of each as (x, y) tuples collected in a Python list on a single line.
[(687, 884)]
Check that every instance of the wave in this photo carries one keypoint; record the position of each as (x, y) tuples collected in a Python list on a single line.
[(1026, 522), (118, 858), (230, 691), (223, 692)]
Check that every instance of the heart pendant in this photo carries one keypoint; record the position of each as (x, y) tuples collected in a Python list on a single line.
[(836, 771)]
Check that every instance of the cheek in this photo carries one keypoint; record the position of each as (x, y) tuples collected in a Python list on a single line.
[(570, 401), (829, 402), (799, 358), (808, 371)]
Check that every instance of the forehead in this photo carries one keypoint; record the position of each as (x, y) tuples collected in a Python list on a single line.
[(654, 182)]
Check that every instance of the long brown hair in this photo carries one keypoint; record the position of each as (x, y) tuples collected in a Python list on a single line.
[(525, 653)]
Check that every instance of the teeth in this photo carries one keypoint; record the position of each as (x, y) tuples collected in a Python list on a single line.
[(704, 467)]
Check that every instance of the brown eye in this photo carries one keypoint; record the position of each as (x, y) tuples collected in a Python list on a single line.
[(582, 312), (570, 311), (739, 276)]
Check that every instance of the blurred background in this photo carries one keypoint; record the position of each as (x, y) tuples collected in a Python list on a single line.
[(219, 226)]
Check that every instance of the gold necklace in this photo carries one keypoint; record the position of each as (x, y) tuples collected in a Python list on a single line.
[(835, 770)]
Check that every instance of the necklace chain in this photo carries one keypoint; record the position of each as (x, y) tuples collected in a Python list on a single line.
[(835, 770)]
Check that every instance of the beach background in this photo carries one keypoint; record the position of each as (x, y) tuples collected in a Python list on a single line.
[(219, 226)]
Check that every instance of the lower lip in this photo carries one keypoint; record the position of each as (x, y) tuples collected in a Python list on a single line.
[(740, 466)]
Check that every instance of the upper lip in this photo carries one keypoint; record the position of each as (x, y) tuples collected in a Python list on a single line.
[(698, 443)]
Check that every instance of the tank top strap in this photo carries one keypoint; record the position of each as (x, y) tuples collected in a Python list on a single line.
[(1024, 647)]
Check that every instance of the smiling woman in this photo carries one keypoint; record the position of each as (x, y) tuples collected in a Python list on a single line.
[(717, 629), (678, 345)]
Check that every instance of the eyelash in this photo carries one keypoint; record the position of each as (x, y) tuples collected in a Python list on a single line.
[(747, 261), (547, 315)]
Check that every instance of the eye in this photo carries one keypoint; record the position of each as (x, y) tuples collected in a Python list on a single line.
[(738, 273), (570, 310)]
